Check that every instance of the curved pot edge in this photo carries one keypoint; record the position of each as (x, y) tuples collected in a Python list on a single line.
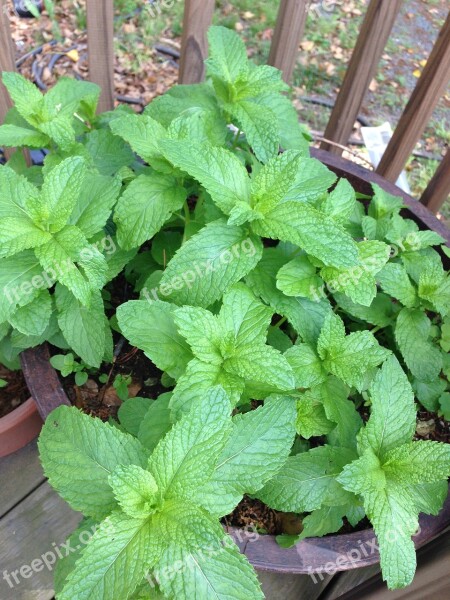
[(19, 427), (314, 555)]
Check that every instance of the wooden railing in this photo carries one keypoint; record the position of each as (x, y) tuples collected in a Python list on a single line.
[(375, 32)]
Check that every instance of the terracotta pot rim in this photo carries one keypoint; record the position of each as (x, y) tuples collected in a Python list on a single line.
[(313, 555), (19, 427)]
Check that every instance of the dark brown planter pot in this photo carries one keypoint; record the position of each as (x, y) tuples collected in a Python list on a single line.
[(315, 556), (19, 427)]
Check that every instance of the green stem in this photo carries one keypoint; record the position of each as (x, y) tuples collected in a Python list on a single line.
[(187, 220), (280, 323), (375, 329), (236, 139)]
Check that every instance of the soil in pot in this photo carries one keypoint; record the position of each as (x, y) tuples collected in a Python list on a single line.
[(14, 393)]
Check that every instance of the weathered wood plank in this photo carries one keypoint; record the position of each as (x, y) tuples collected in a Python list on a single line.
[(194, 47), (20, 473), (287, 35), (7, 62), (426, 95), (431, 579), (31, 532), (349, 580), (291, 587), (100, 20), (438, 189), (372, 39)]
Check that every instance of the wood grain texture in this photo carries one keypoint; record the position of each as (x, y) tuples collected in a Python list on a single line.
[(20, 473), (429, 89), (372, 40), (194, 46), (291, 587), (431, 580), (42, 382), (7, 63), (29, 531), (100, 21), (438, 189), (287, 35)]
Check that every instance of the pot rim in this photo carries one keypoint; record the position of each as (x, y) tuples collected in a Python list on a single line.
[(19, 427), (312, 555)]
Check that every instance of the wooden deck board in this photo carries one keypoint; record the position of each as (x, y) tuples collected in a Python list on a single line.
[(30, 531), (20, 474)]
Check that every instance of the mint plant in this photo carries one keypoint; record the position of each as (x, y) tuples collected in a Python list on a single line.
[(160, 507), (258, 283)]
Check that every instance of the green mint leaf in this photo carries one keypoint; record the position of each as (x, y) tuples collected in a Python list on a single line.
[(60, 191), (291, 133), (82, 326), (156, 422), (12, 136), (264, 370), (109, 152), (20, 233), (209, 263), (243, 315), (418, 462), (69, 258), (306, 316), (185, 459), (412, 334), (395, 281), (227, 55), (384, 204), (308, 480), (262, 79), (275, 180), (259, 123), (341, 202), (393, 416), (307, 366), (66, 564), (135, 490), (132, 412), (348, 357), (428, 393), (144, 207), (151, 327), (434, 286), (33, 318), (358, 282), (380, 313), (25, 95), (95, 202), (179, 100), (311, 419), (299, 277), (142, 133), (314, 232), (224, 574), (341, 411), (220, 172), (261, 437), (200, 125), (201, 330), (120, 546), (69, 96), (78, 453)]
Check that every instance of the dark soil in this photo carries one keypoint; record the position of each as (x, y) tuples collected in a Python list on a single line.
[(101, 399), (15, 393)]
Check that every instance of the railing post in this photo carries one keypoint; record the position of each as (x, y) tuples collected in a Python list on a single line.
[(287, 35), (426, 95), (438, 189), (372, 40), (194, 47), (100, 21), (7, 63)]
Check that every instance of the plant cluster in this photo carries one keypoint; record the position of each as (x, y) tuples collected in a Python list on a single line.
[(263, 280)]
